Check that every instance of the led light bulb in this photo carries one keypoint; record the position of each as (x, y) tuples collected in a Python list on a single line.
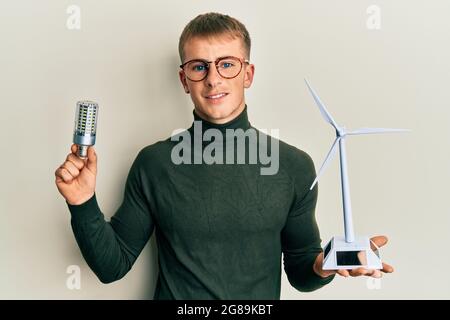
[(85, 126)]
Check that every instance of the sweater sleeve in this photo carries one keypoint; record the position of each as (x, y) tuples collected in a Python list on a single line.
[(111, 248), (300, 236)]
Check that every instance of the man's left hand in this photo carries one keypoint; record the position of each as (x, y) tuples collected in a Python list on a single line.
[(379, 241)]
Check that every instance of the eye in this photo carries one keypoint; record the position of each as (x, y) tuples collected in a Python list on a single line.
[(198, 67), (226, 64)]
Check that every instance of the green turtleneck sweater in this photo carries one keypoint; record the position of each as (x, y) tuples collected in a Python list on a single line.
[(220, 229)]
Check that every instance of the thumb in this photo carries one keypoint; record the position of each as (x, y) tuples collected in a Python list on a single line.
[(92, 160), (379, 241)]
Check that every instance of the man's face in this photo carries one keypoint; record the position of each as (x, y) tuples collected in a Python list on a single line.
[(225, 108)]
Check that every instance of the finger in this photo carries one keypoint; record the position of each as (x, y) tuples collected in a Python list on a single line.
[(79, 163), (64, 175), (387, 268), (370, 272), (376, 274), (74, 148), (358, 272), (73, 170), (379, 240), (343, 273), (58, 177)]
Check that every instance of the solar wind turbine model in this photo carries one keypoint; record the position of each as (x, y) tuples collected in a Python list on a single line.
[(347, 252)]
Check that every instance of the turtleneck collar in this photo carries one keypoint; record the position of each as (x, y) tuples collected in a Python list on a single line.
[(240, 122)]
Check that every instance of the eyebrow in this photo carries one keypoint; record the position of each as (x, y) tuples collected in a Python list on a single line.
[(201, 59)]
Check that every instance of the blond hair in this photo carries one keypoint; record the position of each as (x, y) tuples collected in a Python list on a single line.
[(214, 24)]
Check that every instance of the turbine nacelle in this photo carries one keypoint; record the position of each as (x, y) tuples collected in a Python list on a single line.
[(340, 132)]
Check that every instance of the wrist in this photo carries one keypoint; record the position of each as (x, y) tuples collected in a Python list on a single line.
[(80, 200)]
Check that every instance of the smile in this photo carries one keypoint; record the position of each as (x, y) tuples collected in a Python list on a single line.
[(217, 96)]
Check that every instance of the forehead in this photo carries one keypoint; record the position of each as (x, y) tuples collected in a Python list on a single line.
[(213, 47)]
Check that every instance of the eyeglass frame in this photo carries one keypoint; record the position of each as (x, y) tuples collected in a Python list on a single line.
[(216, 63)]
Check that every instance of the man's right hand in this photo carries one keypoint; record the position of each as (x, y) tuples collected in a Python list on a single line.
[(75, 178)]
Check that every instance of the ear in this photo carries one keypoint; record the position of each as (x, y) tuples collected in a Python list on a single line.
[(183, 81), (249, 72)]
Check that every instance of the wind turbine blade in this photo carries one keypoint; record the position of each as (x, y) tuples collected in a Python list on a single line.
[(375, 130), (329, 157), (325, 114)]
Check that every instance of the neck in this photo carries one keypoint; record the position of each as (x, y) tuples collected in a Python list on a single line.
[(230, 117), (239, 121)]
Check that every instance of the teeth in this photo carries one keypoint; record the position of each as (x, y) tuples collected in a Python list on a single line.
[(216, 96)]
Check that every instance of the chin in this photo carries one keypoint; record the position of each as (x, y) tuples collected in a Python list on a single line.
[(217, 112)]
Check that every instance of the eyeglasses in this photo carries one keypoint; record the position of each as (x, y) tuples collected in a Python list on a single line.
[(228, 68)]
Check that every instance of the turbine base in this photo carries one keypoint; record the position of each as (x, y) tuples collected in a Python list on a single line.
[(339, 254)]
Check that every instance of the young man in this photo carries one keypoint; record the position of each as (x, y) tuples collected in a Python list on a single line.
[(221, 228)]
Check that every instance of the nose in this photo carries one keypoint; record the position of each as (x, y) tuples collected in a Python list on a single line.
[(213, 78)]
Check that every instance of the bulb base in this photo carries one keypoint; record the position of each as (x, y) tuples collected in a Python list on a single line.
[(82, 151)]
